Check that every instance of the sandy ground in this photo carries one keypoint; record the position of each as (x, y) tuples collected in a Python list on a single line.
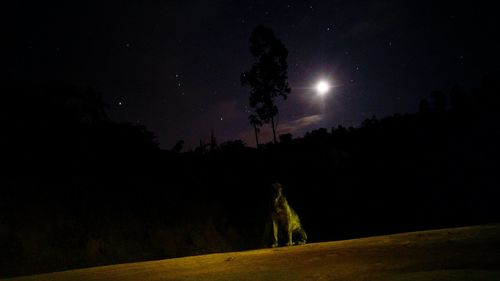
[(467, 253)]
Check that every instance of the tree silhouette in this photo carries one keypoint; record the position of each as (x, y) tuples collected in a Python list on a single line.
[(256, 123), (177, 148), (268, 76), (424, 106), (439, 100)]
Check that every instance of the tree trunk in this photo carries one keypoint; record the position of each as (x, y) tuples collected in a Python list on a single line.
[(274, 130), (256, 135)]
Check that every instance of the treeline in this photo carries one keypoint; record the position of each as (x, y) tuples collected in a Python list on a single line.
[(80, 190)]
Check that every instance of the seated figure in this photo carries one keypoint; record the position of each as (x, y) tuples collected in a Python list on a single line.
[(284, 218)]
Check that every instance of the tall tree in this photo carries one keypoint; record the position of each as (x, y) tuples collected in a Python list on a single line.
[(256, 123), (268, 77)]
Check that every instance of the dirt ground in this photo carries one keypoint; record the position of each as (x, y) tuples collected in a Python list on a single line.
[(466, 253)]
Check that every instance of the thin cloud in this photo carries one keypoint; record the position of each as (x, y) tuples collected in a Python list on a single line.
[(295, 127), (299, 125)]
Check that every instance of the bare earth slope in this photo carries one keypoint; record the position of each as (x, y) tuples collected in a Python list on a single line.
[(467, 253)]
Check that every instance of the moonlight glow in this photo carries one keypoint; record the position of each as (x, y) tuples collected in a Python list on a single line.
[(322, 87)]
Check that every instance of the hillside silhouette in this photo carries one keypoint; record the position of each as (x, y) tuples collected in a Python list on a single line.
[(81, 190)]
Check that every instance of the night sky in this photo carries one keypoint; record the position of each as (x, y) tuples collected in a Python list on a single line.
[(175, 66)]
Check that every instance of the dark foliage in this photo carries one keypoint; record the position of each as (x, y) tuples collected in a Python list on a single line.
[(267, 78), (78, 190)]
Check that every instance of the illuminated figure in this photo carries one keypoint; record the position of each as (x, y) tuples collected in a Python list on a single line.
[(285, 218)]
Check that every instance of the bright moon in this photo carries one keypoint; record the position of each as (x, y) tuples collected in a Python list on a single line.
[(322, 87)]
